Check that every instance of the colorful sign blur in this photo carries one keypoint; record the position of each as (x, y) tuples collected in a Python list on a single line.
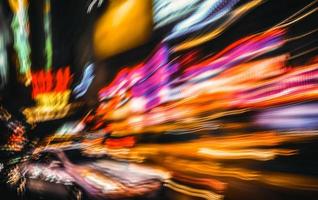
[(51, 93)]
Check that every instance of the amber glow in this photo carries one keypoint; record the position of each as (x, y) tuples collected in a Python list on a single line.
[(124, 25)]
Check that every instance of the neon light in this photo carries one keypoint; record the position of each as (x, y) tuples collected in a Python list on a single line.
[(207, 13), (21, 34), (87, 79), (38, 114), (3, 59), (127, 78), (234, 15), (51, 94), (46, 81), (168, 11), (63, 79), (48, 38), (53, 99), (205, 9), (49, 106)]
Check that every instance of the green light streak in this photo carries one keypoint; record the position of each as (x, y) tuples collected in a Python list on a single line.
[(19, 26), (48, 37)]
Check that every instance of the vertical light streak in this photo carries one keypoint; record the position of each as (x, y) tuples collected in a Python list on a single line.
[(20, 27), (3, 56), (48, 37)]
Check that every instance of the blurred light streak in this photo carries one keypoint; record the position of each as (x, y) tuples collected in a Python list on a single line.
[(303, 53), (20, 27), (292, 181), (87, 79), (302, 35), (206, 13), (168, 11), (294, 18), (140, 170), (209, 169), (301, 110), (255, 154), (101, 183), (68, 128), (138, 74), (189, 94), (240, 51), (298, 12), (205, 194), (240, 11), (251, 146), (285, 180), (92, 4), (208, 183), (233, 16), (3, 59), (144, 123), (48, 37), (293, 116), (4, 41), (298, 83), (274, 72), (126, 142)]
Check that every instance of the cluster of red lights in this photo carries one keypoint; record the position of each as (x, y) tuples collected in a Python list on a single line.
[(48, 81)]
